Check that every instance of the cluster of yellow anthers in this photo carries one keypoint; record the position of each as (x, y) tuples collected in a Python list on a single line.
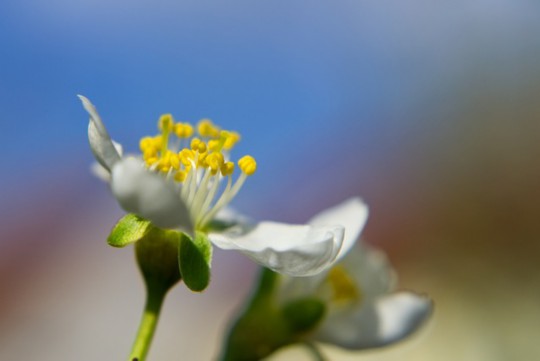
[(199, 163), (343, 286)]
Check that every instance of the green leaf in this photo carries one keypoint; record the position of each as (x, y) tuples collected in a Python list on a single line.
[(129, 229), (304, 314), (194, 259)]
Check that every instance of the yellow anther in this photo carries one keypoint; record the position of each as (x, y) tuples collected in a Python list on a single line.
[(175, 161), (150, 161), (165, 162), (207, 129), (186, 156), (158, 142), (231, 138), (343, 286), (198, 145), (180, 176), (165, 168), (214, 145), (150, 153), (183, 130), (227, 168), (201, 162), (215, 161), (146, 143), (166, 123), (247, 164)]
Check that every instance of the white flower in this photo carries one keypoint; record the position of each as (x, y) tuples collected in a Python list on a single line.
[(185, 183), (363, 309)]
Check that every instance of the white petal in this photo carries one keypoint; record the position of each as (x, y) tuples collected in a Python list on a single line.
[(296, 250), (386, 321), (351, 214), (370, 269), (231, 216), (100, 172), (100, 142), (149, 195)]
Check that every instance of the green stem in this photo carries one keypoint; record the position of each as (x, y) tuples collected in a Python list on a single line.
[(315, 352), (147, 327)]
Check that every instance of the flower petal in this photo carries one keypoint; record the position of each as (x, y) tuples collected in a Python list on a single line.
[(351, 214), (386, 321), (149, 195), (296, 250), (371, 270), (100, 142)]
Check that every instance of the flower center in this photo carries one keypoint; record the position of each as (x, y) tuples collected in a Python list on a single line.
[(197, 165), (344, 289)]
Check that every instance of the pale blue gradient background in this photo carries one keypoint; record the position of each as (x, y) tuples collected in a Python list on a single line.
[(429, 111)]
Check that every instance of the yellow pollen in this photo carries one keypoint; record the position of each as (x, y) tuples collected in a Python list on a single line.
[(207, 129), (180, 176), (146, 143), (150, 161), (215, 161), (231, 138), (166, 123), (247, 164), (183, 130), (227, 169), (175, 161), (343, 286), (186, 156), (214, 145), (149, 153), (201, 162), (198, 145)]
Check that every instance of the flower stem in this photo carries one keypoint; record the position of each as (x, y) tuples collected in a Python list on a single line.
[(147, 327)]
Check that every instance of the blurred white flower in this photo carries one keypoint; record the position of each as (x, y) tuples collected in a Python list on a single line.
[(363, 309), (176, 182)]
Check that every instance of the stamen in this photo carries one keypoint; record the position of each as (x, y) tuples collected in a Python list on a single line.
[(180, 176), (198, 145), (247, 164), (166, 123), (227, 168), (215, 162), (197, 170), (207, 129), (183, 130), (343, 286), (231, 139)]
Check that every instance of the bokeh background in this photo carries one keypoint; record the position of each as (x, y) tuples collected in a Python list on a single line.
[(428, 110)]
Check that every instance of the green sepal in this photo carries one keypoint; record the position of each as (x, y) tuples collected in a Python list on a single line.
[(194, 261), (129, 229), (304, 315)]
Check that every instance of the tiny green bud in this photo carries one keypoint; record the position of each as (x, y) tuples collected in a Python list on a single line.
[(156, 254)]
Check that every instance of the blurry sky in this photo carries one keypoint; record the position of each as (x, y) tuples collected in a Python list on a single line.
[(427, 110)]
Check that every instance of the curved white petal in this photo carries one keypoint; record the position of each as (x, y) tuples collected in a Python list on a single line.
[(100, 172), (231, 216), (149, 195), (296, 250), (388, 320), (351, 214), (101, 144), (371, 270)]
